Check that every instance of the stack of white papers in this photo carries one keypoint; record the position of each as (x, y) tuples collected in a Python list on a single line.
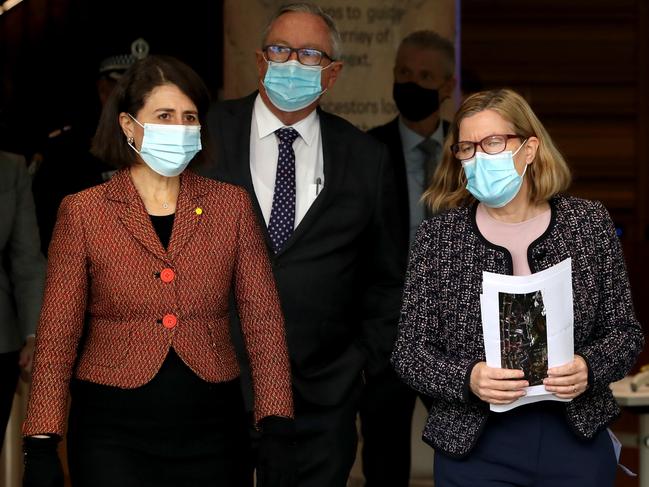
[(527, 323)]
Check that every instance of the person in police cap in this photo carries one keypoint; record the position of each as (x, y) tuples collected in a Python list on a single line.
[(65, 165)]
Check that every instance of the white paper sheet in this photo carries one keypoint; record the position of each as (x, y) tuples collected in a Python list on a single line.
[(535, 328)]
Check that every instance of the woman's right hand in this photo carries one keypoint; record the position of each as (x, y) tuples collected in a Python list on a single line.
[(42, 464), (497, 386)]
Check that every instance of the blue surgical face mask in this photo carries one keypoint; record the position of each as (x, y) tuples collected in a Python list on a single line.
[(292, 86), (492, 178), (168, 149)]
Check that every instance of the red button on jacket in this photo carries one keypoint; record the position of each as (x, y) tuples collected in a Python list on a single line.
[(167, 275), (169, 321)]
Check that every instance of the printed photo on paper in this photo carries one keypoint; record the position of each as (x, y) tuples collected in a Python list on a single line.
[(523, 334)]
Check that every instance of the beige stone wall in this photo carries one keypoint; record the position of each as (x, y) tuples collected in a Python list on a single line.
[(371, 31), (11, 460)]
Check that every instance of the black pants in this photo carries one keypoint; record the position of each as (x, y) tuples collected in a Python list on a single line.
[(177, 430), (531, 446), (326, 441), (9, 372), (386, 423)]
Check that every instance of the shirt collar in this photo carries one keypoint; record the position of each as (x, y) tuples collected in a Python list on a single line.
[(268, 123), (411, 139)]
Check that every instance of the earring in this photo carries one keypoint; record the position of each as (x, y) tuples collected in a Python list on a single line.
[(130, 140)]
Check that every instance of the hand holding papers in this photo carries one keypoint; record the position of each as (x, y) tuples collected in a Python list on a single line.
[(527, 323)]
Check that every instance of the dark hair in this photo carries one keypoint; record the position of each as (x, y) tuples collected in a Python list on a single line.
[(428, 39), (129, 96)]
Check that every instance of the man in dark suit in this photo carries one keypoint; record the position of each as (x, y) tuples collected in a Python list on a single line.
[(22, 277), (423, 78), (324, 195)]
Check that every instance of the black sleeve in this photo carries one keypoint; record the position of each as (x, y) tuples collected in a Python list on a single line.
[(384, 269)]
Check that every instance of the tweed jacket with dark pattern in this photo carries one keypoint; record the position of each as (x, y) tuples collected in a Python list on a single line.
[(440, 331), (104, 282)]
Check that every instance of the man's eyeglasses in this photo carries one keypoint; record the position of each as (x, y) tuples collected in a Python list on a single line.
[(494, 144), (305, 55)]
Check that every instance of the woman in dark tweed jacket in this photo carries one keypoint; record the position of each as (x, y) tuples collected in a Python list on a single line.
[(499, 207)]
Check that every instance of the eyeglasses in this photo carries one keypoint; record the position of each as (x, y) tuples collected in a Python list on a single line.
[(305, 55), (494, 144)]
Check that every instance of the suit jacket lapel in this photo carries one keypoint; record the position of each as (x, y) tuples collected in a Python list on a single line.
[(237, 129), (236, 133), (137, 222), (187, 219), (133, 214), (395, 146)]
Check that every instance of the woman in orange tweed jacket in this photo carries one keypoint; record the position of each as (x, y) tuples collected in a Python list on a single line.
[(135, 320)]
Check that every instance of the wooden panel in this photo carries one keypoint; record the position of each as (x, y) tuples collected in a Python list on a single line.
[(592, 51), (578, 65), (617, 196), (642, 181), (549, 11), (595, 140), (563, 99)]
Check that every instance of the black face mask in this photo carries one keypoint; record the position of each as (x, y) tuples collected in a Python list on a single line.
[(414, 102)]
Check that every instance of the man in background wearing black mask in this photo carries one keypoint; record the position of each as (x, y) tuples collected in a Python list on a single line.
[(423, 78)]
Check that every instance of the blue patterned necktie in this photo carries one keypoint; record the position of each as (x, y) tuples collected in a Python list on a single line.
[(282, 213)]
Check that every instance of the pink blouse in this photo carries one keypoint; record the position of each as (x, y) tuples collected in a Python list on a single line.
[(515, 237)]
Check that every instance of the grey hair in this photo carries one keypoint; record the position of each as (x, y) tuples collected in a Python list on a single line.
[(308, 8), (427, 39)]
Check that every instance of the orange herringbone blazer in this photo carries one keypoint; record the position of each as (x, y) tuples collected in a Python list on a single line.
[(110, 280)]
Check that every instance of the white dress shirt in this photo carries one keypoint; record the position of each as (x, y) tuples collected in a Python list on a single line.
[(309, 166)]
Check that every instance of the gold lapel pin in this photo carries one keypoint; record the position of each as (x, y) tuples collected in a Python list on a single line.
[(199, 211)]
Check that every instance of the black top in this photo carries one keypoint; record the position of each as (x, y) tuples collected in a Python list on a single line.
[(163, 226)]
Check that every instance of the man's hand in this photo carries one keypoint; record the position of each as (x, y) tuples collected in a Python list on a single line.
[(26, 359)]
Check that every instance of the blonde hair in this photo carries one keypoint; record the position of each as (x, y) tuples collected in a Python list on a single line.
[(546, 176)]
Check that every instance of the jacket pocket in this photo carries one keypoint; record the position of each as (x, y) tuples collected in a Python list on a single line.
[(107, 343), (223, 344)]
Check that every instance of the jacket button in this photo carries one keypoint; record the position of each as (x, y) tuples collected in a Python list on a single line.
[(167, 275), (169, 321)]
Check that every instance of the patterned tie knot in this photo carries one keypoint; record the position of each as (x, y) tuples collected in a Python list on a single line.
[(287, 135)]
